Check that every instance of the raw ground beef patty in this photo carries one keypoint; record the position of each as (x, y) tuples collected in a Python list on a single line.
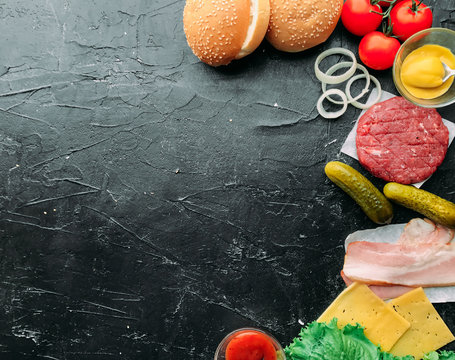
[(399, 141)]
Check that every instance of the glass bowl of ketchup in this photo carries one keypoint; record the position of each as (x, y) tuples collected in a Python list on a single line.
[(249, 344), (439, 37)]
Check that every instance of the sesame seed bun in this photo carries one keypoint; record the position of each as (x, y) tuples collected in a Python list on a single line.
[(219, 31), (297, 25)]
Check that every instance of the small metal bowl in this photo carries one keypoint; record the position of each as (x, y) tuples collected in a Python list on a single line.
[(436, 36), (220, 353)]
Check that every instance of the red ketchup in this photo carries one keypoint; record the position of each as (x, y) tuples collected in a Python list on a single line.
[(250, 345)]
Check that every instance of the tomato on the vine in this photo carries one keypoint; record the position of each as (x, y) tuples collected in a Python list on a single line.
[(377, 50), (360, 17), (409, 17)]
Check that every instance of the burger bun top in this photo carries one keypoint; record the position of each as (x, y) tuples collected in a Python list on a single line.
[(297, 25), (219, 31)]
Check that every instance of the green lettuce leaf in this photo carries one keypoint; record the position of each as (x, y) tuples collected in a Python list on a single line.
[(324, 341), (443, 355)]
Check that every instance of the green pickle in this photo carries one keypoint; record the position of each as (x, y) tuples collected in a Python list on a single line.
[(433, 207), (374, 204)]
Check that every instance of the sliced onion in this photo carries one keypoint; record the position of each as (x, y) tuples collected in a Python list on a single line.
[(335, 79), (353, 101), (342, 65), (335, 114)]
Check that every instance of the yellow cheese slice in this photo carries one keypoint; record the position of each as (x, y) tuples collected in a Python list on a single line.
[(428, 331), (358, 304)]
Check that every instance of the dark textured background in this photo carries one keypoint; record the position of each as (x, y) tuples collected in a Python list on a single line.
[(149, 204)]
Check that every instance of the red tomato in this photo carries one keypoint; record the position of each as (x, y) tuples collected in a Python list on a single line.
[(358, 17), (408, 17), (250, 345), (377, 51)]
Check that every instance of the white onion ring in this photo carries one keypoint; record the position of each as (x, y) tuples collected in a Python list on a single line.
[(332, 115), (353, 101), (335, 79), (343, 65)]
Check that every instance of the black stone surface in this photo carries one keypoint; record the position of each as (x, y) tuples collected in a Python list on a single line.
[(149, 204)]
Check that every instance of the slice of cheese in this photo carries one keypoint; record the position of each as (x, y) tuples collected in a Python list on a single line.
[(428, 331), (358, 304)]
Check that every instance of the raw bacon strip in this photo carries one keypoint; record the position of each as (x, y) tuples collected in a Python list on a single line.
[(381, 264), (383, 291), (419, 231)]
